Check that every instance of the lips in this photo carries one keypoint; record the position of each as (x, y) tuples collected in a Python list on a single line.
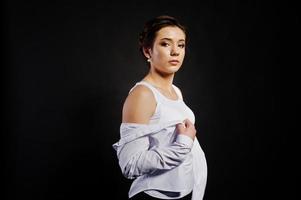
[(174, 62)]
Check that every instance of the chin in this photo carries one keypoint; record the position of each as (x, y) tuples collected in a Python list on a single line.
[(171, 70), (174, 68)]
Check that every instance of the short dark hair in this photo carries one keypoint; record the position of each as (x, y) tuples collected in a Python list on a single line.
[(151, 27)]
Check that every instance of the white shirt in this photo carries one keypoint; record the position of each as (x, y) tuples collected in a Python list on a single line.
[(163, 163)]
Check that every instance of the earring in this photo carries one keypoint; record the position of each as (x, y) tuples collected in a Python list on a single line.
[(148, 60)]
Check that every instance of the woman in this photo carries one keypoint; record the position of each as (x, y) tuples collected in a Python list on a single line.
[(158, 146)]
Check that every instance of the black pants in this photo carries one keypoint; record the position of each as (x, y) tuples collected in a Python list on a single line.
[(144, 196)]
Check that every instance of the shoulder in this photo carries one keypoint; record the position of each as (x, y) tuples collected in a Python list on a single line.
[(141, 91), (139, 105)]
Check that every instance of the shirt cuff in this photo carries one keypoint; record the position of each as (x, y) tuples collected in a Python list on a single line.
[(184, 139)]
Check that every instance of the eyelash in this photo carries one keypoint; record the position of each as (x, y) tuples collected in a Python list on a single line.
[(165, 44)]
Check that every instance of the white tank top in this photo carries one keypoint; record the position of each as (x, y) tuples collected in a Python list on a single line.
[(168, 110)]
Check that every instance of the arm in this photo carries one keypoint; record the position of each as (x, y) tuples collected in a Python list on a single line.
[(136, 158)]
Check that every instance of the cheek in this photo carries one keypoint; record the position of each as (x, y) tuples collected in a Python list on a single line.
[(161, 53)]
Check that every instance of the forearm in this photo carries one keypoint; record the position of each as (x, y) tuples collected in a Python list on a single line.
[(136, 159)]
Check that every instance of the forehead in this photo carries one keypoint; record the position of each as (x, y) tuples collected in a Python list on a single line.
[(172, 32)]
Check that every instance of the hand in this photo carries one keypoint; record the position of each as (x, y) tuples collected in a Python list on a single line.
[(186, 128)]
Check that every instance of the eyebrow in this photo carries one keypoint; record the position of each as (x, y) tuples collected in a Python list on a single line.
[(181, 40)]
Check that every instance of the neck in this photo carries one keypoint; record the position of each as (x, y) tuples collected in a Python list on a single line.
[(163, 81)]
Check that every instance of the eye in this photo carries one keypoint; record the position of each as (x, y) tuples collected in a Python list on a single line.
[(164, 44), (182, 46)]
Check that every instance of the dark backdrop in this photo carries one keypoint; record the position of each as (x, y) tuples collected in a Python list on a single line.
[(69, 65)]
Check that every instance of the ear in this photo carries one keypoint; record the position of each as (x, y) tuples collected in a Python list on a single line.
[(147, 52)]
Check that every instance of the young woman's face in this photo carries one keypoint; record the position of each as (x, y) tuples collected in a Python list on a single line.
[(168, 50)]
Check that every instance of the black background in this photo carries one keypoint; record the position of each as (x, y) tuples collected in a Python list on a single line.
[(69, 65)]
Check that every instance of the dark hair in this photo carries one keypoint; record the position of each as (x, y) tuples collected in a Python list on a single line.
[(151, 27)]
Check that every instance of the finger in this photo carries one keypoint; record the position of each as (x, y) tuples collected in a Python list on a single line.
[(188, 123), (183, 123), (181, 127)]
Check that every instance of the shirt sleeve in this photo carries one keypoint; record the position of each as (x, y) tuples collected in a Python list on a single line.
[(136, 159)]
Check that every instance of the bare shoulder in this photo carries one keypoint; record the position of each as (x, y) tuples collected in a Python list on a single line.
[(139, 105)]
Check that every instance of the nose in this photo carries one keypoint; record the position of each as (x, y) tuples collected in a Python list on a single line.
[(174, 51)]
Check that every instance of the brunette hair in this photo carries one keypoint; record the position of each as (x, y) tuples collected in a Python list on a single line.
[(151, 27)]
